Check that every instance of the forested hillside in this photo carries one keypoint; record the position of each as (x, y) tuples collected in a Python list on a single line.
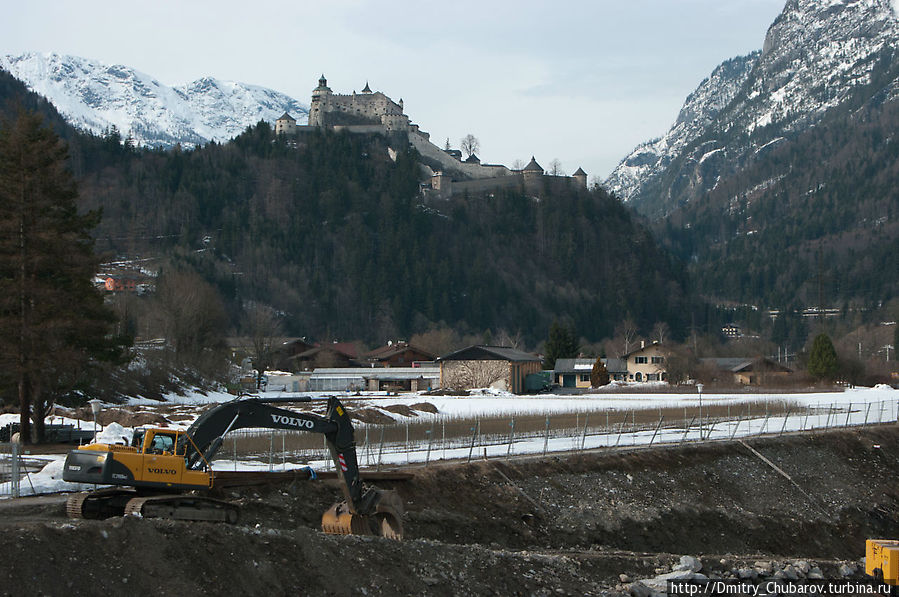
[(814, 218), (333, 234)]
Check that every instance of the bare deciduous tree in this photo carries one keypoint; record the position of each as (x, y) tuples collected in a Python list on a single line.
[(555, 168), (627, 330), (515, 340), (466, 375), (470, 145), (262, 327), (660, 332)]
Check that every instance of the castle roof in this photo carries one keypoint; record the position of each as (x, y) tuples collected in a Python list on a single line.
[(533, 166), (579, 172), (473, 159), (287, 116), (322, 84), (366, 89)]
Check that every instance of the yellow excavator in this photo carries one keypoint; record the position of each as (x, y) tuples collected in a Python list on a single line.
[(166, 473), (882, 560)]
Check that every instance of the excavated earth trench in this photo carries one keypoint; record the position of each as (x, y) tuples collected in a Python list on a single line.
[(539, 526)]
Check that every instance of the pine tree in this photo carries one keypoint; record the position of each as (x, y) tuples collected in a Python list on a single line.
[(53, 323), (822, 360), (562, 344), (599, 376)]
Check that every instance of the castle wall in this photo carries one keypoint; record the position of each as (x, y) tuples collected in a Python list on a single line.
[(482, 185), (428, 149)]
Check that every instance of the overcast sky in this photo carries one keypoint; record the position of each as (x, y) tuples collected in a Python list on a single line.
[(578, 81)]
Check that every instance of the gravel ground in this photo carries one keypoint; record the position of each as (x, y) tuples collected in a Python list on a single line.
[(553, 526)]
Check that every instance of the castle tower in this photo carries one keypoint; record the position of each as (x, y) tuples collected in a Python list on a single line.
[(286, 125), (366, 89), (581, 177), (320, 97), (533, 174)]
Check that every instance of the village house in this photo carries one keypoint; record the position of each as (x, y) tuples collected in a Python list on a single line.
[(498, 367), (750, 371), (373, 379), (647, 363), (398, 354), (575, 373)]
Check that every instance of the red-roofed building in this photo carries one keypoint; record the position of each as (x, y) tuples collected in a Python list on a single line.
[(398, 354)]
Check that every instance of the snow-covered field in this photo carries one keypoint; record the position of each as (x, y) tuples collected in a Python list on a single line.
[(853, 407)]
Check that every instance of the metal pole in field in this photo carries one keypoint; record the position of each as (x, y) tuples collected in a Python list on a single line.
[(443, 437), (511, 436), (699, 387), (621, 429), (739, 420), (867, 410), (848, 413), (708, 434), (407, 443), (14, 475), (765, 424), (634, 424), (829, 413), (381, 448), (546, 437), (95, 409), (429, 433), (786, 418), (584, 435), (687, 430), (271, 449), (880, 416), (659, 426), (474, 434)]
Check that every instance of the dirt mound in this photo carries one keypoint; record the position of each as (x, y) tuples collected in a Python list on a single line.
[(370, 415), (124, 417), (401, 409), (425, 407)]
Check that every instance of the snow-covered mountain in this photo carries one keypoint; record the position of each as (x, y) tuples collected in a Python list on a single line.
[(817, 55), (94, 96), (650, 158)]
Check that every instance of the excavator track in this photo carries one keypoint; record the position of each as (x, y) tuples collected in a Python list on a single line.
[(182, 507), (103, 503), (75, 505)]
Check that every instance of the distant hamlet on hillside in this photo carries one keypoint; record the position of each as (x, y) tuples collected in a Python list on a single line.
[(374, 112)]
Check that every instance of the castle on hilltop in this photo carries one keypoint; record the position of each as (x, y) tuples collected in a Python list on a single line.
[(374, 112)]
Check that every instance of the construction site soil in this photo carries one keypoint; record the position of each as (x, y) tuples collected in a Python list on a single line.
[(583, 524)]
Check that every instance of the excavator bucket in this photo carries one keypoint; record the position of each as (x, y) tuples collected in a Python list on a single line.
[(385, 521)]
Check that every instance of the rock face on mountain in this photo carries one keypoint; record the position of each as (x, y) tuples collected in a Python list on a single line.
[(96, 97), (650, 159), (817, 55)]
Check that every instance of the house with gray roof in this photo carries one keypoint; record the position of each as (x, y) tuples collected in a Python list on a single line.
[(479, 366), (575, 373)]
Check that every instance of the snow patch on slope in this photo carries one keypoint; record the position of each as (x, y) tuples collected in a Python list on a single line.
[(96, 97)]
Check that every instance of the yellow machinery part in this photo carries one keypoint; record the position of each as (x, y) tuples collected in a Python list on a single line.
[(386, 521), (882, 560)]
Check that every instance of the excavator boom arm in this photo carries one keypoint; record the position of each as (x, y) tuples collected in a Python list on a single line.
[(208, 431)]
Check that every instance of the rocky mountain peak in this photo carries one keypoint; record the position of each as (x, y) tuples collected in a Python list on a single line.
[(94, 96), (817, 55)]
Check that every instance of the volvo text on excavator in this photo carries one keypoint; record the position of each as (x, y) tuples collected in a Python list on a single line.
[(166, 473)]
